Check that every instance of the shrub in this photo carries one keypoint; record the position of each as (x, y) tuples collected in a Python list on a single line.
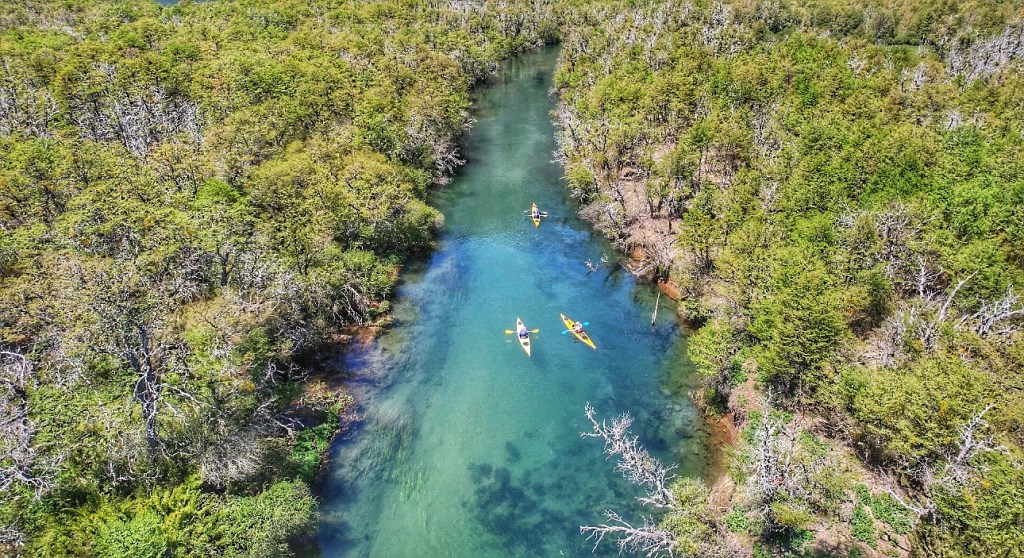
[(261, 526), (737, 521), (862, 527)]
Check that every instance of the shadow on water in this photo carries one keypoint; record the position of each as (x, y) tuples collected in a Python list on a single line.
[(466, 447)]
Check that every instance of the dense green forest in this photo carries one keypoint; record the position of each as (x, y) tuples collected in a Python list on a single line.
[(837, 191), (192, 200)]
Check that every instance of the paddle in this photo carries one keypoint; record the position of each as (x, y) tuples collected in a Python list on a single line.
[(509, 331), (585, 324)]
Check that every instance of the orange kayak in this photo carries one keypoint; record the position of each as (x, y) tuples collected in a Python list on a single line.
[(582, 336)]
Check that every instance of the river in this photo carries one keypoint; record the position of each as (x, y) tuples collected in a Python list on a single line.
[(466, 447)]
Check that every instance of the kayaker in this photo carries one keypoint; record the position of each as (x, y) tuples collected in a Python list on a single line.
[(577, 327), (523, 334), (536, 213)]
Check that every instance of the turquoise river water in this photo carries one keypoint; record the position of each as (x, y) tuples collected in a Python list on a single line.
[(466, 447)]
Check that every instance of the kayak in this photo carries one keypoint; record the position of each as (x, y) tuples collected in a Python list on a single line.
[(524, 341), (581, 336), (533, 211)]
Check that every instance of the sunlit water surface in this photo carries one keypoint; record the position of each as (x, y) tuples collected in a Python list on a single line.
[(468, 448)]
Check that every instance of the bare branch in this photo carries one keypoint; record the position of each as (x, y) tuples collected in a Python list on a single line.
[(635, 463), (999, 317), (961, 468), (919, 511), (20, 462), (649, 539), (952, 295)]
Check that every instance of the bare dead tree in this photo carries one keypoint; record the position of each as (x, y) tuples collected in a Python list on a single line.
[(639, 467), (775, 467), (856, 63), (11, 539), (779, 470), (894, 232), (886, 346), (958, 468), (16, 453), (126, 461), (648, 539), (922, 318), (144, 354), (24, 110), (234, 458), (1000, 317), (961, 467), (766, 135), (916, 79), (127, 307), (944, 310), (985, 57), (635, 463), (137, 119), (918, 510), (239, 454), (20, 461)]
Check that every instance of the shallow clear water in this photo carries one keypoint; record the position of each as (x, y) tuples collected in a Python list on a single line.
[(468, 448)]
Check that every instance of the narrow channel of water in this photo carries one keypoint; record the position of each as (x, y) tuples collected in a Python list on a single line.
[(467, 447)]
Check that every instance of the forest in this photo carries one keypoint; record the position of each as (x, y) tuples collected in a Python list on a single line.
[(192, 200), (836, 190), (195, 199)]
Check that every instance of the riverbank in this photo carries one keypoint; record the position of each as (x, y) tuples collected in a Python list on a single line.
[(735, 412), (201, 195), (814, 190), (466, 446)]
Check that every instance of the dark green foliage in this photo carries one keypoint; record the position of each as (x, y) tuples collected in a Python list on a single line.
[(887, 510), (308, 449), (862, 527), (915, 412), (690, 519), (737, 521), (799, 326), (790, 518), (991, 509), (185, 521), (262, 525)]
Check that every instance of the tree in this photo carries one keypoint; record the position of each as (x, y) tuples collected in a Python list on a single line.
[(686, 528)]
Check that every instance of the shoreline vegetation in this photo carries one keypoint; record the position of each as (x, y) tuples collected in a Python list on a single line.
[(835, 189), (196, 198), (193, 200)]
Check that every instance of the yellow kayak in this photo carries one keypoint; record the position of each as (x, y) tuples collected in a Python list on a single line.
[(524, 341), (533, 211), (582, 336)]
